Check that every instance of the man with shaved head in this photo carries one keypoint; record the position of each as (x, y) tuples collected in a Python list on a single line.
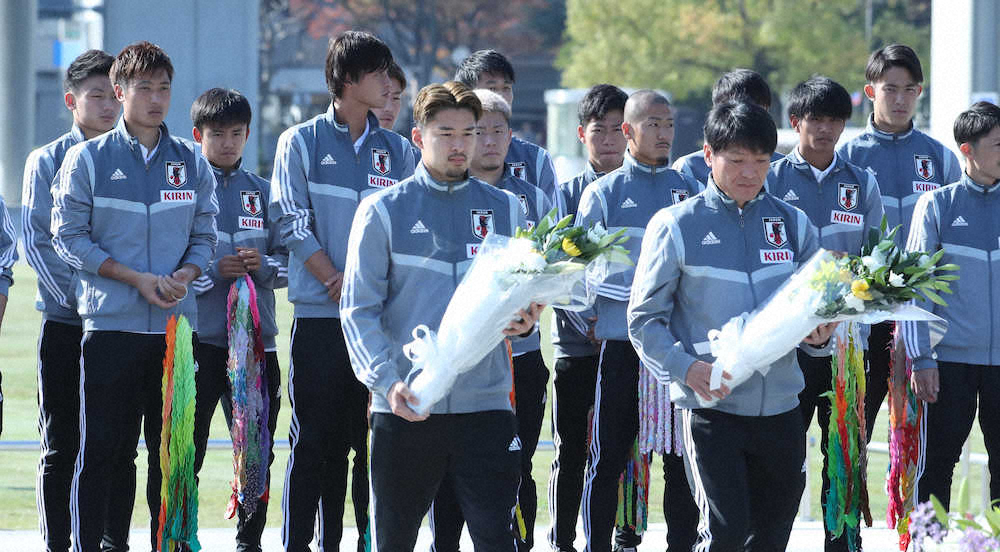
[(628, 197)]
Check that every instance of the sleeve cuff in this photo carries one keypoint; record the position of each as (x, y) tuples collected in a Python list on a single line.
[(198, 260), (5, 283), (924, 363), (92, 263), (385, 378), (684, 361), (818, 352), (305, 248)]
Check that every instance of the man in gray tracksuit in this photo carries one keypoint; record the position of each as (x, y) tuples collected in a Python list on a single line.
[(249, 245), (8, 256), (738, 85), (906, 163), (134, 215), (703, 261), (842, 201), (964, 368), (627, 198), (410, 247), (530, 374), (322, 169), (91, 100), (601, 113), (526, 160)]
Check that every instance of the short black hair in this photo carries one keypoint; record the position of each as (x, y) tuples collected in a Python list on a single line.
[(218, 107), (600, 100), (976, 122), (483, 62), (745, 125), (351, 56), (820, 97), (742, 85), (86, 65), (397, 74), (893, 55)]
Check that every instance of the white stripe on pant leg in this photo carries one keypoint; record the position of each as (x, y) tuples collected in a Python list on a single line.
[(922, 455), (372, 533), (595, 449), (700, 496), (43, 432), (319, 525), (74, 506), (293, 436), (554, 469), (431, 524)]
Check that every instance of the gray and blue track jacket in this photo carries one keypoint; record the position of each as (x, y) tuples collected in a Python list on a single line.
[(242, 222), (627, 197), (316, 185), (703, 262), (906, 165), (960, 218), (56, 298), (693, 165), (410, 246), (843, 206), (534, 205), (530, 162), (8, 251), (155, 217), (569, 328)]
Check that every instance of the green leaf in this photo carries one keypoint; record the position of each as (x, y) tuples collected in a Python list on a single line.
[(949, 266), (993, 518), (934, 297), (940, 513)]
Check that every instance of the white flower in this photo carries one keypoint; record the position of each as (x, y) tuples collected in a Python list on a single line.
[(597, 233), (924, 260), (855, 303), (521, 257), (896, 280), (874, 261)]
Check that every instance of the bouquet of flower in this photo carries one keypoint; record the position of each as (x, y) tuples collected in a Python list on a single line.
[(877, 285), (930, 521), (554, 263)]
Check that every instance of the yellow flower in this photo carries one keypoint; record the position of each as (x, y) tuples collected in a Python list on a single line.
[(845, 275), (570, 248), (860, 290)]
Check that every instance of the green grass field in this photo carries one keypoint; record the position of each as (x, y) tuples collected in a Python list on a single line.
[(18, 468)]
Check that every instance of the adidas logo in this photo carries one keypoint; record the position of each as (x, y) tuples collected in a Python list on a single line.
[(628, 203), (960, 221), (710, 239), (118, 175), (791, 196), (328, 160), (515, 444), (419, 228)]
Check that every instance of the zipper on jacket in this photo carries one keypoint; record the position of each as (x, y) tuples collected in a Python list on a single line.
[(753, 292)]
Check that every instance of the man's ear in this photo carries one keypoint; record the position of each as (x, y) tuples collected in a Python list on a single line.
[(196, 134), (119, 93), (627, 130), (70, 100), (870, 91), (418, 139), (966, 149), (794, 121), (707, 151), (580, 132)]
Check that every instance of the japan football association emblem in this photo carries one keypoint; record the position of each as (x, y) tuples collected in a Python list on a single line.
[(176, 173), (482, 222), (678, 195), (774, 231), (380, 161), (517, 169), (848, 195), (924, 166), (523, 199), (251, 202)]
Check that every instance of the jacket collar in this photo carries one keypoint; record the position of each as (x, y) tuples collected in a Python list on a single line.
[(970, 183), (799, 162), (332, 119), (77, 134), (132, 140), (632, 165), (221, 173), (421, 174), (714, 196), (887, 135)]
